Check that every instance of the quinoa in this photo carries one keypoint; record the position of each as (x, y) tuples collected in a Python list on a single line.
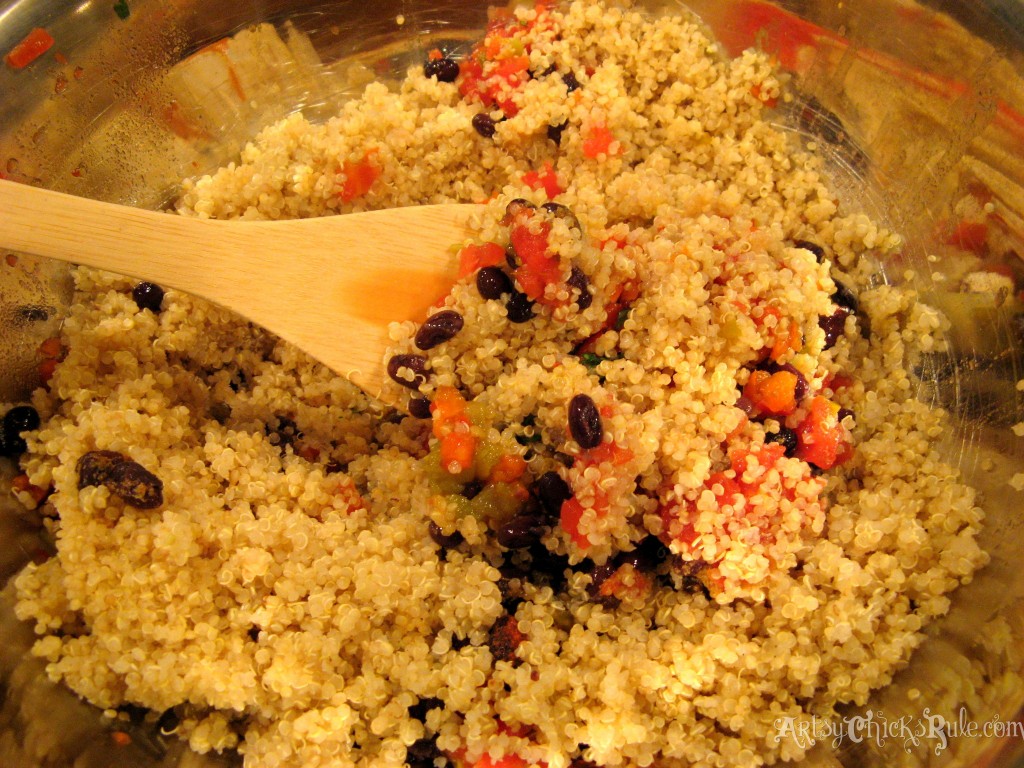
[(748, 519)]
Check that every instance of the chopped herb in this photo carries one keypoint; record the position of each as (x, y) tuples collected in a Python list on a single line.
[(591, 360), (620, 321), (121, 9), (528, 421)]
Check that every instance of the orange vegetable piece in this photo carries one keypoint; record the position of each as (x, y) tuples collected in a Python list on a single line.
[(457, 450), (772, 393), (569, 519), (359, 176), (35, 44), (508, 469)]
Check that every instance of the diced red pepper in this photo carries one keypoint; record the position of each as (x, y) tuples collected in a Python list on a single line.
[(35, 44), (545, 179), (474, 257), (359, 176), (821, 439), (598, 141)]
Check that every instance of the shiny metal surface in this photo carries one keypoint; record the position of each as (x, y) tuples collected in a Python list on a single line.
[(919, 107)]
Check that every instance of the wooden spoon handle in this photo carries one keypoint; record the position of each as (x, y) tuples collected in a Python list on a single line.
[(329, 285)]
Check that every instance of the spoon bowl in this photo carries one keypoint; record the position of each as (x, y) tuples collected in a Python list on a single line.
[(330, 286)]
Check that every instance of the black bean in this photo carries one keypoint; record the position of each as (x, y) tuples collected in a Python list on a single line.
[(817, 250), (419, 407), (418, 711), (417, 364), (220, 412), (422, 753), (559, 211), (21, 418), (585, 422), (571, 83), (843, 297), (438, 328), (484, 124), (168, 722), (786, 437), (578, 280), (519, 307), (472, 489), (833, 325), (552, 491), (647, 556), (523, 530), (253, 633), (511, 257), (444, 69), (148, 296), (442, 539), (284, 433), (136, 485), (33, 313), (548, 565), (843, 413), (12, 446), (555, 132), (96, 467), (515, 209), (492, 283)]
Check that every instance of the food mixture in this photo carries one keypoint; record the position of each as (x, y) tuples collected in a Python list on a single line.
[(659, 479)]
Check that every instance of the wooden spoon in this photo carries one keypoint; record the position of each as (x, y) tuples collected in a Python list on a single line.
[(328, 285)]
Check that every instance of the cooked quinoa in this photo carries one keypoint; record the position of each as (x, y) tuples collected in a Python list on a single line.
[(663, 482)]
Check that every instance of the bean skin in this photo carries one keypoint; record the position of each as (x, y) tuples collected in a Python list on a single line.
[(492, 283), (585, 422), (438, 328), (483, 124), (578, 280), (444, 69), (415, 363), (552, 491), (519, 307)]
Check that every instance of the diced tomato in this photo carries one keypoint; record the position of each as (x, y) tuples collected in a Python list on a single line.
[(599, 140), (435, 54), (569, 519), (508, 761), (508, 469), (51, 347), (545, 179), (821, 439), (474, 257), (35, 44), (772, 393), (537, 268), (768, 101), (447, 408), (969, 236), (359, 176), (608, 452)]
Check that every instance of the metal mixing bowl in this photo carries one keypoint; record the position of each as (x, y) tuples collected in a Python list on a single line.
[(918, 106)]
